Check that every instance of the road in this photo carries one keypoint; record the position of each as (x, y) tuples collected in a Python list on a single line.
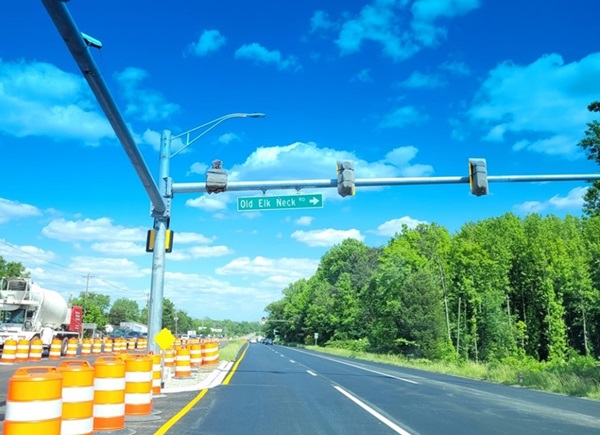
[(279, 390)]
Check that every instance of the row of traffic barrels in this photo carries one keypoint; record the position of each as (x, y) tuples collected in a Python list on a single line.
[(78, 398), (23, 350)]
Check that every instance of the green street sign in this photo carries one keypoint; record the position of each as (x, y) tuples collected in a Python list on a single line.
[(283, 202)]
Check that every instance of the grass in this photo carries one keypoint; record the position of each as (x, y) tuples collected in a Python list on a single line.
[(580, 377), (231, 350)]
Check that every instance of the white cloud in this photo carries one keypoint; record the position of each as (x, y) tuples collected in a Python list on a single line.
[(456, 67), (208, 42), (145, 104), (227, 138), (38, 99), (108, 267), (320, 21), (26, 254), (573, 200), (543, 105), (427, 12), (307, 161), (259, 54), (304, 220), (383, 22), (187, 237), (326, 237), (402, 116), (364, 76), (119, 248), (12, 210), (279, 272), (393, 226), (86, 230), (531, 207), (208, 203), (209, 251), (418, 80)]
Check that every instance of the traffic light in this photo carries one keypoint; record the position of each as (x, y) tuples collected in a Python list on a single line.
[(345, 178), (478, 177), (216, 178), (168, 241)]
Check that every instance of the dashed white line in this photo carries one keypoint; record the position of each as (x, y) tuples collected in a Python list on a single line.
[(374, 413), (311, 373), (368, 370), (292, 361)]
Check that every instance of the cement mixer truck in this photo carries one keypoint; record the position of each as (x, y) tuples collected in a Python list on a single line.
[(28, 310)]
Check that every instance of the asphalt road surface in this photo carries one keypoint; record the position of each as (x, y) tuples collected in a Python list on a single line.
[(279, 390)]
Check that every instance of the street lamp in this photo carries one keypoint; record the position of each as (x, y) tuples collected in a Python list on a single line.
[(162, 217), (210, 125)]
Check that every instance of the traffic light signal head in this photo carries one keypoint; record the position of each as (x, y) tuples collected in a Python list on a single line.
[(478, 177), (216, 178), (345, 178)]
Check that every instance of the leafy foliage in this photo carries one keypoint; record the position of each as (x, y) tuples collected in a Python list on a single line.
[(526, 289), (591, 145)]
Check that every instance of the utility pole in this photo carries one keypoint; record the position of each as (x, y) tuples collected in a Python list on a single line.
[(87, 285)]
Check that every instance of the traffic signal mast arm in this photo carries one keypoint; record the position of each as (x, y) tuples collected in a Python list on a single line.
[(241, 186)]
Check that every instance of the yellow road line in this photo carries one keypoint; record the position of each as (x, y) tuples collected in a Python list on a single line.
[(235, 366), (169, 424)]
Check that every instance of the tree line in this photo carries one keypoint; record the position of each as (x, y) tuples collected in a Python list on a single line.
[(501, 287)]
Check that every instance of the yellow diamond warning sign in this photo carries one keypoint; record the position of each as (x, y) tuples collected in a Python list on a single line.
[(164, 339)]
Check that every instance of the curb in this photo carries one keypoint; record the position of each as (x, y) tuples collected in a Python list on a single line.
[(212, 380)]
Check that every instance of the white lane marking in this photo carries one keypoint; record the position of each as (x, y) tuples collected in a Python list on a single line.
[(311, 373), (369, 370), (292, 361), (374, 413)]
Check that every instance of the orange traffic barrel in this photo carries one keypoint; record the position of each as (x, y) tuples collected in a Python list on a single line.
[(9, 351), (196, 355), (33, 402), (142, 343), (131, 344), (78, 397), (97, 347), (108, 346), (182, 363), (86, 347), (36, 349), (211, 352), (118, 345), (138, 384), (72, 346), (55, 349), (109, 393), (22, 350), (156, 375), (169, 358)]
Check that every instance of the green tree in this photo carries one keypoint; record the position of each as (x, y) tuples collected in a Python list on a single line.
[(95, 307), (12, 268), (591, 144), (123, 310)]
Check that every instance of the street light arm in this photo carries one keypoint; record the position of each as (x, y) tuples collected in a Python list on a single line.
[(210, 124)]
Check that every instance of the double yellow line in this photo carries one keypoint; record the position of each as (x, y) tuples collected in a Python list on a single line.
[(169, 424)]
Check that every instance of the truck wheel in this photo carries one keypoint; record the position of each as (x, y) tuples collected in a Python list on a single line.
[(63, 346)]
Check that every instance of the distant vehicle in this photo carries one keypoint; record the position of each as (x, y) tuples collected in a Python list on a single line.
[(29, 311), (268, 341)]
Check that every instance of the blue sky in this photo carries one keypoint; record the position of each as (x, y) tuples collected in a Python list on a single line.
[(403, 88)]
